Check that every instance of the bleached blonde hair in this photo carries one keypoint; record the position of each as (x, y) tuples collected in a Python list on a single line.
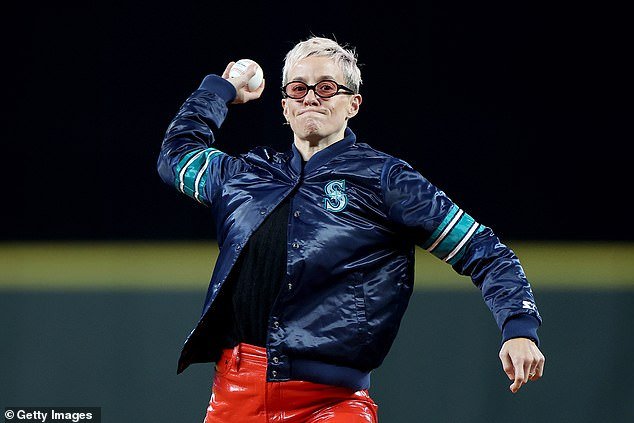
[(344, 56)]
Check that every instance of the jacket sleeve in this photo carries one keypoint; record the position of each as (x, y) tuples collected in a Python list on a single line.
[(448, 232), (186, 160)]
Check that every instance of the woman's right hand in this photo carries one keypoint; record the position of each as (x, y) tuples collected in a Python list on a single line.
[(241, 84)]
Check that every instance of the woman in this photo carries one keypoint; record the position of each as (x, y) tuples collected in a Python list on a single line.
[(317, 250)]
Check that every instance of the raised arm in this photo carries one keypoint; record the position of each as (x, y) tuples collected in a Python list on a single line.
[(187, 159)]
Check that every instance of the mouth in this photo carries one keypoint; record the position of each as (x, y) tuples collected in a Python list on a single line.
[(310, 111)]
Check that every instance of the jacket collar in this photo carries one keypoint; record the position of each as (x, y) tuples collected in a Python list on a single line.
[(322, 156)]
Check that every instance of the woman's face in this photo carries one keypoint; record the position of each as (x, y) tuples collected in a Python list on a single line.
[(313, 118)]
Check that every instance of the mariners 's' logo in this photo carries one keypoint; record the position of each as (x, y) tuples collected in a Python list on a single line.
[(337, 198)]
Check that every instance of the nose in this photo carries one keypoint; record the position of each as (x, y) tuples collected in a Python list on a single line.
[(311, 97)]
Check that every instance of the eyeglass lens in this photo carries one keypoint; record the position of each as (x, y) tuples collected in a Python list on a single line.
[(323, 89)]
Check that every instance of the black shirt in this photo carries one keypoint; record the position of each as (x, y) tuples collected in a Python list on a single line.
[(256, 278)]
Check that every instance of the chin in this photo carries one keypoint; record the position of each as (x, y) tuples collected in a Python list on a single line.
[(312, 132)]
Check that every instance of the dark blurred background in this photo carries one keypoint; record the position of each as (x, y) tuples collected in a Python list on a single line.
[(516, 111)]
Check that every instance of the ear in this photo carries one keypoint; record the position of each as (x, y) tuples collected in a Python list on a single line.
[(285, 109), (355, 103)]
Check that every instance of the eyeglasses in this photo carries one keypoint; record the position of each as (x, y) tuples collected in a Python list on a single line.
[(323, 89)]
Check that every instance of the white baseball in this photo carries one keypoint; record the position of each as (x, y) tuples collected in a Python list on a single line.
[(241, 66)]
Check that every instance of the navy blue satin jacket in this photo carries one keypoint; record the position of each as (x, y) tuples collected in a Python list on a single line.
[(356, 215)]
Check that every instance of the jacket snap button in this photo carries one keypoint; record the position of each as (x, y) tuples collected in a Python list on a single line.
[(290, 286), (273, 373), (262, 211), (296, 214), (276, 360), (276, 324), (295, 244)]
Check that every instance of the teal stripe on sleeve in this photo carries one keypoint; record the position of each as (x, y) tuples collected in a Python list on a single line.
[(439, 230), (201, 180), (190, 170), (457, 236), (186, 158), (453, 260), (453, 237)]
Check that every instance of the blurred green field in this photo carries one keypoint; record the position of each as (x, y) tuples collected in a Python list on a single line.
[(188, 266)]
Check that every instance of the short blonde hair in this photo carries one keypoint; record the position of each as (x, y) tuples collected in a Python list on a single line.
[(345, 57)]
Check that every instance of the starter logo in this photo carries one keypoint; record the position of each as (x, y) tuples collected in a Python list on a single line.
[(529, 305), (337, 198)]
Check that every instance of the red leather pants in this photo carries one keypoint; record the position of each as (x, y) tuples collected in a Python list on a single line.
[(241, 394)]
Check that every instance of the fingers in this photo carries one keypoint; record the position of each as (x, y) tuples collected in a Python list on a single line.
[(242, 80), (532, 372), (521, 374), (251, 70), (538, 370), (528, 365), (225, 74), (252, 95), (513, 370), (516, 385), (507, 366), (243, 94), (522, 361)]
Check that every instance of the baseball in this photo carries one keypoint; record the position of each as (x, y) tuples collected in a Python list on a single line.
[(241, 66)]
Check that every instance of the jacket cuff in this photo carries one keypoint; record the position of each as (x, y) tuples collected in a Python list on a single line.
[(521, 326), (220, 86)]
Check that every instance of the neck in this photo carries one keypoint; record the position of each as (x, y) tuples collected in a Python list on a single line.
[(308, 146)]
